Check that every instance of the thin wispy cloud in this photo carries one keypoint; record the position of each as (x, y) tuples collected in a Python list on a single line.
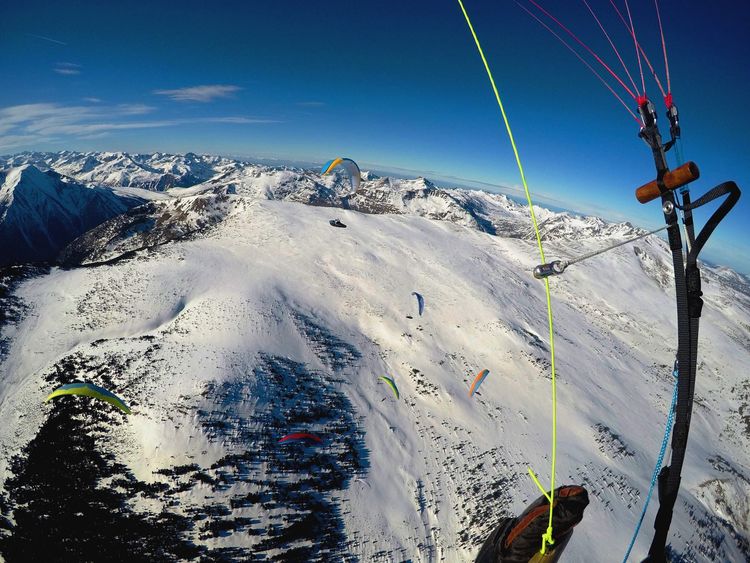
[(92, 100), (204, 93), (81, 129), (134, 109), (99, 135), (238, 120), (46, 38), (67, 68), (11, 141), (13, 117), (29, 124)]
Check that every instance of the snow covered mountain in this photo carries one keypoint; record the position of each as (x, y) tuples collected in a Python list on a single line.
[(153, 171), (488, 212), (41, 212), (230, 313)]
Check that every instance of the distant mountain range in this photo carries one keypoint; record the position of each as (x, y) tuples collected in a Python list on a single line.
[(49, 199)]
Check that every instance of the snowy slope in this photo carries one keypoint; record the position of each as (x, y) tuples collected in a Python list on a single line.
[(232, 314), (225, 342)]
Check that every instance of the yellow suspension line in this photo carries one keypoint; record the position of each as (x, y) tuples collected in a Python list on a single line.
[(547, 537)]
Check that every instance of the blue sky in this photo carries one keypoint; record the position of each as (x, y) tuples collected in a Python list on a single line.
[(394, 85)]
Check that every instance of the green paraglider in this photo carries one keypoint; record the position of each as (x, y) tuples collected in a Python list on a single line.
[(391, 384), (89, 390)]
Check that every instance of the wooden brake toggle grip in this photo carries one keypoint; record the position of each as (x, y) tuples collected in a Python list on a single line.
[(672, 180)]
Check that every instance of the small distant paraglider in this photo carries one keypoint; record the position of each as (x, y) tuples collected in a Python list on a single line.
[(420, 302), (298, 436), (478, 381), (89, 390), (348, 165), (391, 384)]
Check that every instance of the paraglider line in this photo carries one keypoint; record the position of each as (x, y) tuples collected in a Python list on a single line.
[(584, 61), (635, 42), (640, 49), (548, 536), (538, 484), (657, 466), (663, 45), (612, 247), (604, 31), (593, 54)]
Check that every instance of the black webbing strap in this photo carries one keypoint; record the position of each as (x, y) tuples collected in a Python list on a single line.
[(725, 188), (669, 477), (689, 305)]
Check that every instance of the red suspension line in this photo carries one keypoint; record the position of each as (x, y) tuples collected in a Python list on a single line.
[(643, 53), (637, 52), (573, 35), (584, 61), (663, 46), (604, 31)]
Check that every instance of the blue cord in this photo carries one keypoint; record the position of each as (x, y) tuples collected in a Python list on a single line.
[(679, 159), (657, 467)]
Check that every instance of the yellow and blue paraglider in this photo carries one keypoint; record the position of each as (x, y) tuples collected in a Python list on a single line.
[(90, 390), (391, 384), (348, 165)]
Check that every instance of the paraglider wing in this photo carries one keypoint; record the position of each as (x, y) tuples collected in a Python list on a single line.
[(420, 302), (296, 436), (392, 385), (90, 390), (478, 381), (347, 164)]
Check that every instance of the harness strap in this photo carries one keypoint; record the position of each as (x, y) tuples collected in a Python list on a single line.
[(725, 188), (689, 305)]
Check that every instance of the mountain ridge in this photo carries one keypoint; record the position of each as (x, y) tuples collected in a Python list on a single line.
[(41, 211)]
